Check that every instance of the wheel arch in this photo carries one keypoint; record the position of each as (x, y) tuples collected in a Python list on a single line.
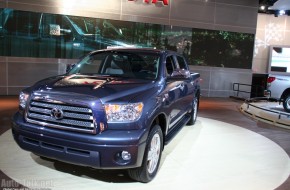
[(197, 94), (162, 122), (285, 94)]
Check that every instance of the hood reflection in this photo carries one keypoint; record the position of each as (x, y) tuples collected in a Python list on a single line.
[(86, 80)]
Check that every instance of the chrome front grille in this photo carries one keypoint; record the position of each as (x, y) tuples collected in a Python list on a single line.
[(59, 115)]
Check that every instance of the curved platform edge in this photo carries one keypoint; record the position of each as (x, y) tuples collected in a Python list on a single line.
[(266, 110)]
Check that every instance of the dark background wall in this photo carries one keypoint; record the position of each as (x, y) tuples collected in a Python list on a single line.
[(227, 15)]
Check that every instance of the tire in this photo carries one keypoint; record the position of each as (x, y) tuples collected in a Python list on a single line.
[(193, 113), (151, 159), (286, 103)]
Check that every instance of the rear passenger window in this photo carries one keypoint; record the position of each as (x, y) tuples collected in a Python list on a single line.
[(23, 23), (170, 66), (181, 62)]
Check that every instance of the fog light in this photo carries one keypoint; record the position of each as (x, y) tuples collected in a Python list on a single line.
[(126, 155)]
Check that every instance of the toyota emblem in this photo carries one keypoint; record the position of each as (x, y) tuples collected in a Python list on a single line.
[(57, 113)]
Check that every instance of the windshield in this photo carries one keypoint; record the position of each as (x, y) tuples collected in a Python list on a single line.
[(119, 64), (89, 26)]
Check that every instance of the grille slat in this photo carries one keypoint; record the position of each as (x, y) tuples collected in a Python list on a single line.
[(66, 114), (72, 117), (40, 110), (63, 121), (63, 107)]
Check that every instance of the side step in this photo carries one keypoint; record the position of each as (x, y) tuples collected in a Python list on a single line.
[(175, 129)]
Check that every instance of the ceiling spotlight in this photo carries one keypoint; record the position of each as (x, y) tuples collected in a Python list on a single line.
[(281, 12)]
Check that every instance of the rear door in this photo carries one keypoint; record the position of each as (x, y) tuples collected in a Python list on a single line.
[(173, 90), (187, 89), (20, 33)]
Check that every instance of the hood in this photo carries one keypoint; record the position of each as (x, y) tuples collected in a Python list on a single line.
[(103, 87)]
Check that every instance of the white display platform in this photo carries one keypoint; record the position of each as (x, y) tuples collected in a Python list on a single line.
[(209, 155)]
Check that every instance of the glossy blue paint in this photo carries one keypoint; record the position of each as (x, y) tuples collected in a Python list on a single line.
[(167, 100)]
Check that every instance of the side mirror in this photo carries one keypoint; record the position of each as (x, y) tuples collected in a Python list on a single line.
[(55, 30), (180, 74)]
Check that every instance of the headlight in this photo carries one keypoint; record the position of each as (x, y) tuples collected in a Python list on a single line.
[(123, 112), (23, 97)]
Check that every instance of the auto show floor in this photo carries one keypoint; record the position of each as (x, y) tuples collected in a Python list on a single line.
[(223, 150)]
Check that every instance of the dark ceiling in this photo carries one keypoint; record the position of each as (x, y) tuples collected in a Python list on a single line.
[(276, 7)]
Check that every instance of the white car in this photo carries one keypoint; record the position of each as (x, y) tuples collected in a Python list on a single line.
[(279, 87)]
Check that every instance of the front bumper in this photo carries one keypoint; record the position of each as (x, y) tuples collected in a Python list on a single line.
[(98, 151)]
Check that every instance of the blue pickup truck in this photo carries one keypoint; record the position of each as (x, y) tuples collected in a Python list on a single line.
[(115, 109)]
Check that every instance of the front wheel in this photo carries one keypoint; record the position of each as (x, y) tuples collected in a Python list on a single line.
[(286, 103), (193, 113), (151, 158)]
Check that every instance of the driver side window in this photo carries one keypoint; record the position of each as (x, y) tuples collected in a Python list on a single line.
[(54, 26)]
